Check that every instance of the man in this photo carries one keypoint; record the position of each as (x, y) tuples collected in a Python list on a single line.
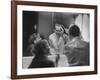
[(41, 59), (76, 50), (56, 40)]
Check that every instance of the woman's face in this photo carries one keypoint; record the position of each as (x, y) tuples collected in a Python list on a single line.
[(38, 38)]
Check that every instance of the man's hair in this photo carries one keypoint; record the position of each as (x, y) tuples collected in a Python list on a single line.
[(40, 47), (74, 31)]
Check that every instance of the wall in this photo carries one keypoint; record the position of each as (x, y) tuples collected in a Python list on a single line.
[(82, 20), (45, 23), (5, 41)]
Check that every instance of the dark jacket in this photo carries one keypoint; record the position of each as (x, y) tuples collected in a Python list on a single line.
[(41, 62), (77, 52)]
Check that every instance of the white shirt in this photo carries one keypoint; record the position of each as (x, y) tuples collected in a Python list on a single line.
[(56, 45)]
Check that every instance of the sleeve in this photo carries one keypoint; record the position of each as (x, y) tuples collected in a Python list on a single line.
[(50, 64), (51, 43)]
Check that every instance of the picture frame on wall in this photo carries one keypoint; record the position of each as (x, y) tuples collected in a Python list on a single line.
[(34, 27)]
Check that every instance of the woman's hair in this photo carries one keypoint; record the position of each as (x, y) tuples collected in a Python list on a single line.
[(74, 31), (32, 38), (42, 36), (40, 47)]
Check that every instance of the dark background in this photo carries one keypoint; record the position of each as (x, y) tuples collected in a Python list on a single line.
[(29, 20)]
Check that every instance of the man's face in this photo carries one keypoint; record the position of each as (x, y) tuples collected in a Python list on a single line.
[(58, 29)]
